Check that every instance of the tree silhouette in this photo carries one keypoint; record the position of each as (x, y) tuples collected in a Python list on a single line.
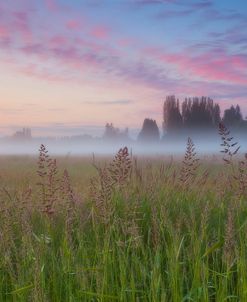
[(113, 133), (110, 131), (149, 131), (172, 118), (195, 113), (200, 113), (233, 116)]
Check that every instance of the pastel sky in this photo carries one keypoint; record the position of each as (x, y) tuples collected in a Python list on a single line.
[(70, 66)]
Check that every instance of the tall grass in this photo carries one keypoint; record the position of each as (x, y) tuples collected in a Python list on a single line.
[(136, 230)]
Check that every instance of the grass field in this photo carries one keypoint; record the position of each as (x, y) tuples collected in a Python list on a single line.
[(123, 228)]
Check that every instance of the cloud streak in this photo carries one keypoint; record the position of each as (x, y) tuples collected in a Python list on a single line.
[(114, 102)]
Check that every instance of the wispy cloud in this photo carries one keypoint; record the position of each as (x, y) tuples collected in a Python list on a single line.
[(203, 4), (114, 102)]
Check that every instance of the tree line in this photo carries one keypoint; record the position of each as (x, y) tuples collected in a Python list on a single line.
[(198, 114), (181, 118)]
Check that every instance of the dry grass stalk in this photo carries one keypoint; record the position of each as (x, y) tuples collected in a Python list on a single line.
[(190, 165), (101, 190), (9, 214), (25, 208), (131, 227), (6, 236), (66, 188), (69, 199), (205, 217), (203, 179), (229, 246), (137, 171), (166, 172), (111, 177), (120, 168), (230, 148), (155, 229), (242, 177), (53, 186), (49, 181)]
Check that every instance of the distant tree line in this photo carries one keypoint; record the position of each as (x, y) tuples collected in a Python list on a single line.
[(113, 133), (198, 114), (182, 118)]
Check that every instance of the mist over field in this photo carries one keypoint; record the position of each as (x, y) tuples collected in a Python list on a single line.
[(209, 145), (198, 118)]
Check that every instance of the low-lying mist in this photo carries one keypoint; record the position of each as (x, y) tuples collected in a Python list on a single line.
[(175, 145)]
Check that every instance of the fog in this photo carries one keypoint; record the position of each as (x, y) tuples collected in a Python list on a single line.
[(204, 144)]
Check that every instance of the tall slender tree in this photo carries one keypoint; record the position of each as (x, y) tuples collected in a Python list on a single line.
[(172, 118), (200, 113), (195, 113)]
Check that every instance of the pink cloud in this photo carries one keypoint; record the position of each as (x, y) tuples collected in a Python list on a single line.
[(57, 41), (3, 32), (223, 69), (16, 24), (21, 21), (73, 24), (219, 71), (100, 32), (208, 66), (51, 5), (33, 49), (44, 73), (125, 42)]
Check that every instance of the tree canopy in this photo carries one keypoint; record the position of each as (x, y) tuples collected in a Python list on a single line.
[(149, 131), (194, 113)]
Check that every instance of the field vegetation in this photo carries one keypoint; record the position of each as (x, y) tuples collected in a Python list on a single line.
[(124, 229)]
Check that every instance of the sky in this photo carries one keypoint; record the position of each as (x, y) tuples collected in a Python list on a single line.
[(69, 67)]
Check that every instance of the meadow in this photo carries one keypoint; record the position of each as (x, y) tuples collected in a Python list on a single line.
[(124, 228)]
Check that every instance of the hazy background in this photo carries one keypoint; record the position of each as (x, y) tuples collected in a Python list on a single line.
[(70, 67)]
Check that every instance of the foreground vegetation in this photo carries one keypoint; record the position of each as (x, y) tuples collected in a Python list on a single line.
[(124, 229)]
